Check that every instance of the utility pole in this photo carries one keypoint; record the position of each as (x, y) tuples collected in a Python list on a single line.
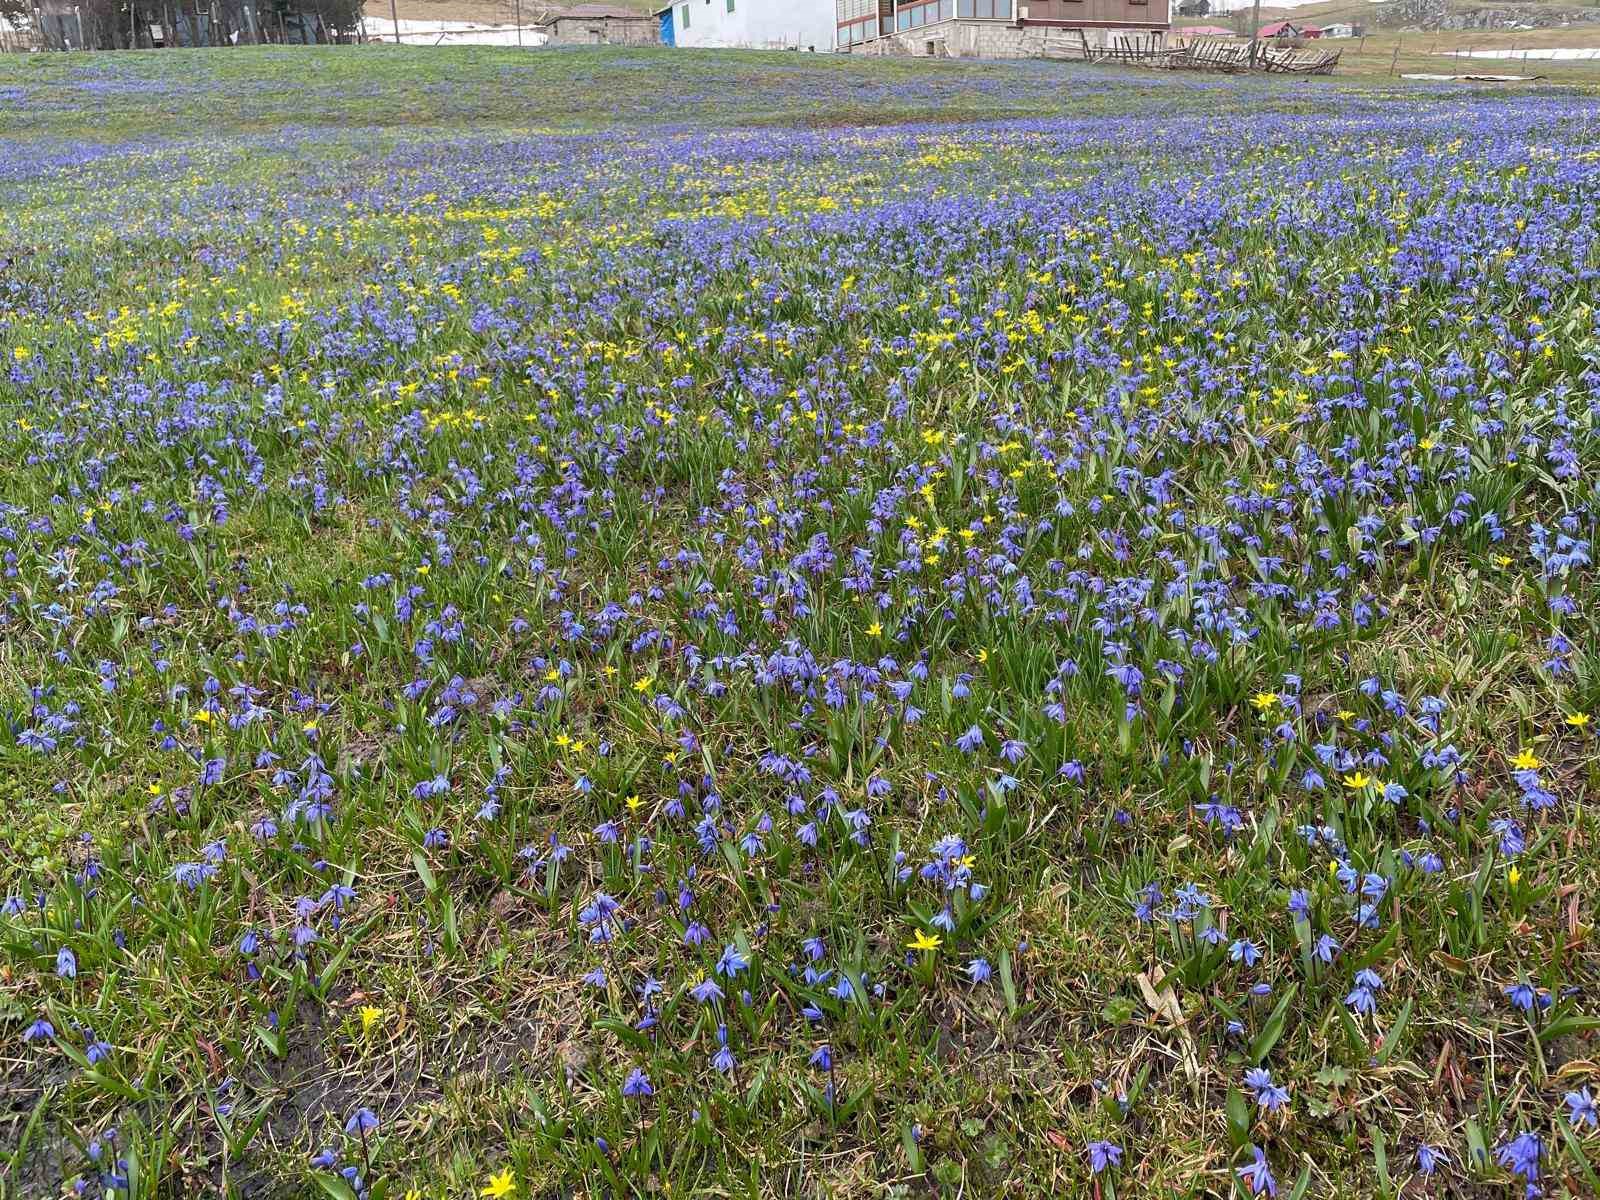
[(519, 24), (1255, 30), (394, 15)]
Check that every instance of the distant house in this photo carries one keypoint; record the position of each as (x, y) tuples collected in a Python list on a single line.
[(599, 25), (1341, 29), (994, 28), (759, 24), (1288, 29)]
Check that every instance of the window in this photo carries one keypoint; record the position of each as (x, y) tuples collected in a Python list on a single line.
[(730, 5), (684, 13)]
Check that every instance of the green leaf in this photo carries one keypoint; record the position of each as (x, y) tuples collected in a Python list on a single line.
[(1391, 1040), (1238, 1119), (424, 872), (1380, 1158), (1579, 1158), (333, 1185), (908, 1139), (1008, 985), (1273, 1028)]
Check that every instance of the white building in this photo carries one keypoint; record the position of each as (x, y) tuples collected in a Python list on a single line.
[(754, 24)]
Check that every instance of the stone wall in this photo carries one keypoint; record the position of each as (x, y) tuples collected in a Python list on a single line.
[(605, 31), (990, 39)]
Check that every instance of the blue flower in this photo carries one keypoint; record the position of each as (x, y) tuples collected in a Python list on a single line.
[(1520, 1155), (1257, 1176), (362, 1121), (1103, 1154), (39, 1031), (1268, 1094), (637, 1084), (1430, 1158), (1582, 1108), (66, 963)]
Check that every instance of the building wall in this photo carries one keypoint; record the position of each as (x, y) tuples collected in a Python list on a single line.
[(604, 31), (1070, 13), (806, 24)]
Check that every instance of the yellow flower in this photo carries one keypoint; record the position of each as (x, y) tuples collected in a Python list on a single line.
[(309, 727), (1525, 761), (155, 789), (370, 1017), (633, 802), (552, 676), (1357, 781), (643, 685), (1344, 714), (1513, 877), (203, 716), (983, 656), (500, 1185), (1264, 700), (1577, 720), (22, 354), (924, 941), (875, 629), (424, 569)]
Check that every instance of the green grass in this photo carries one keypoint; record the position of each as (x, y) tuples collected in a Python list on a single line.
[(356, 380)]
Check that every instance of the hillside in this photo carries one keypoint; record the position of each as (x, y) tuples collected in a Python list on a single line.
[(1447, 16)]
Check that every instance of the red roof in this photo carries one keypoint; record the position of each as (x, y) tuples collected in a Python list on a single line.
[(1289, 29)]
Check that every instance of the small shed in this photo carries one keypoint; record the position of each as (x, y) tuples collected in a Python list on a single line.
[(600, 25)]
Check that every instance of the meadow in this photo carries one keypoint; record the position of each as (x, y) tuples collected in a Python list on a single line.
[(629, 623)]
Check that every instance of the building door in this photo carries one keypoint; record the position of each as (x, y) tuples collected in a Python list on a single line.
[(666, 27)]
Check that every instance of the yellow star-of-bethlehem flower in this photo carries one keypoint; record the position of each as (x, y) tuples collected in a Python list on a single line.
[(1513, 877), (500, 1185), (874, 629), (1525, 761), (1357, 781), (1577, 720), (925, 941), (1264, 700), (370, 1017)]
